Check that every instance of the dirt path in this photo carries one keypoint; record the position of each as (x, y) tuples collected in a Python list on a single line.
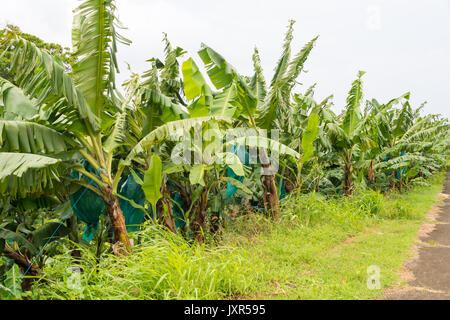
[(428, 273)]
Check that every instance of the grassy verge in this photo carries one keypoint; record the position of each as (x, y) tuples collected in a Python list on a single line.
[(162, 266), (320, 249), (325, 251)]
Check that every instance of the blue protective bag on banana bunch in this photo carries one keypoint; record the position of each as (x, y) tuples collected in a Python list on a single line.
[(88, 206)]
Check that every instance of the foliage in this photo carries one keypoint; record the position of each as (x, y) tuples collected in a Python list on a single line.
[(164, 266), (54, 49), (329, 257), (66, 128)]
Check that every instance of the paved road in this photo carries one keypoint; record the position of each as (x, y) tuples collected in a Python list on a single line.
[(431, 269)]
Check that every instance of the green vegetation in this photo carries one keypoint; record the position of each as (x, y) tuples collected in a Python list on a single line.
[(323, 249), (6, 52), (320, 250), (163, 266), (94, 176)]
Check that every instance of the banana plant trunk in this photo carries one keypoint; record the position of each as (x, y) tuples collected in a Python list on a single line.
[(270, 195), (199, 225), (289, 186), (167, 214), (371, 172), (393, 183), (117, 220), (348, 184), (72, 223), (164, 206)]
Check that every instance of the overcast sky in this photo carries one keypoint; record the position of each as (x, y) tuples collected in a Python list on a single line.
[(403, 45)]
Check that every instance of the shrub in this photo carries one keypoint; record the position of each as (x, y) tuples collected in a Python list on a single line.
[(369, 202)]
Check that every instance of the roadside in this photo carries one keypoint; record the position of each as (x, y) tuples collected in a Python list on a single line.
[(323, 248), (330, 259), (427, 274)]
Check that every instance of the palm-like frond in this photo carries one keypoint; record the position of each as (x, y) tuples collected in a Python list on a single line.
[(283, 62), (151, 77), (120, 133), (262, 142), (337, 135), (401, 162), (94, 40), (157, 109), (224, 104), (29, 137), (220, 72), (15, 102), (178, 127), (258, 83), (353, 113), (426, 133), (277, 105), (25, 173), (296, 65), (44, 78), (171, 84), (236, 98), (276, 100)]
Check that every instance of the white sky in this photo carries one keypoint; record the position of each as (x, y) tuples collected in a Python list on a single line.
[(403, 45)]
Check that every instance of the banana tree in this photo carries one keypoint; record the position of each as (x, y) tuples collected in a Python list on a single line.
[(191, 176), (251, 102), (409, 144), (61, 117), (192, 100), (28, 235), (207, 111), (305, 126), (201, 170), (275, 109), (348, 134)]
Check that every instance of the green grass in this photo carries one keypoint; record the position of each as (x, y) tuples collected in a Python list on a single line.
[(163, 266), (320, 249), (327, 256)]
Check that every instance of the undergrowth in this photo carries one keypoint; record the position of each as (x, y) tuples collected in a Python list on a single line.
[(318, 249), (162, 266)]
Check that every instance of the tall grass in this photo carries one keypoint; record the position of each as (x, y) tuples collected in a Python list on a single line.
[(255, 256), (162, 266), (322, 246), (364, 206)]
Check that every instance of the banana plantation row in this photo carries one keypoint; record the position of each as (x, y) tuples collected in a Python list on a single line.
[(75, 147)]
